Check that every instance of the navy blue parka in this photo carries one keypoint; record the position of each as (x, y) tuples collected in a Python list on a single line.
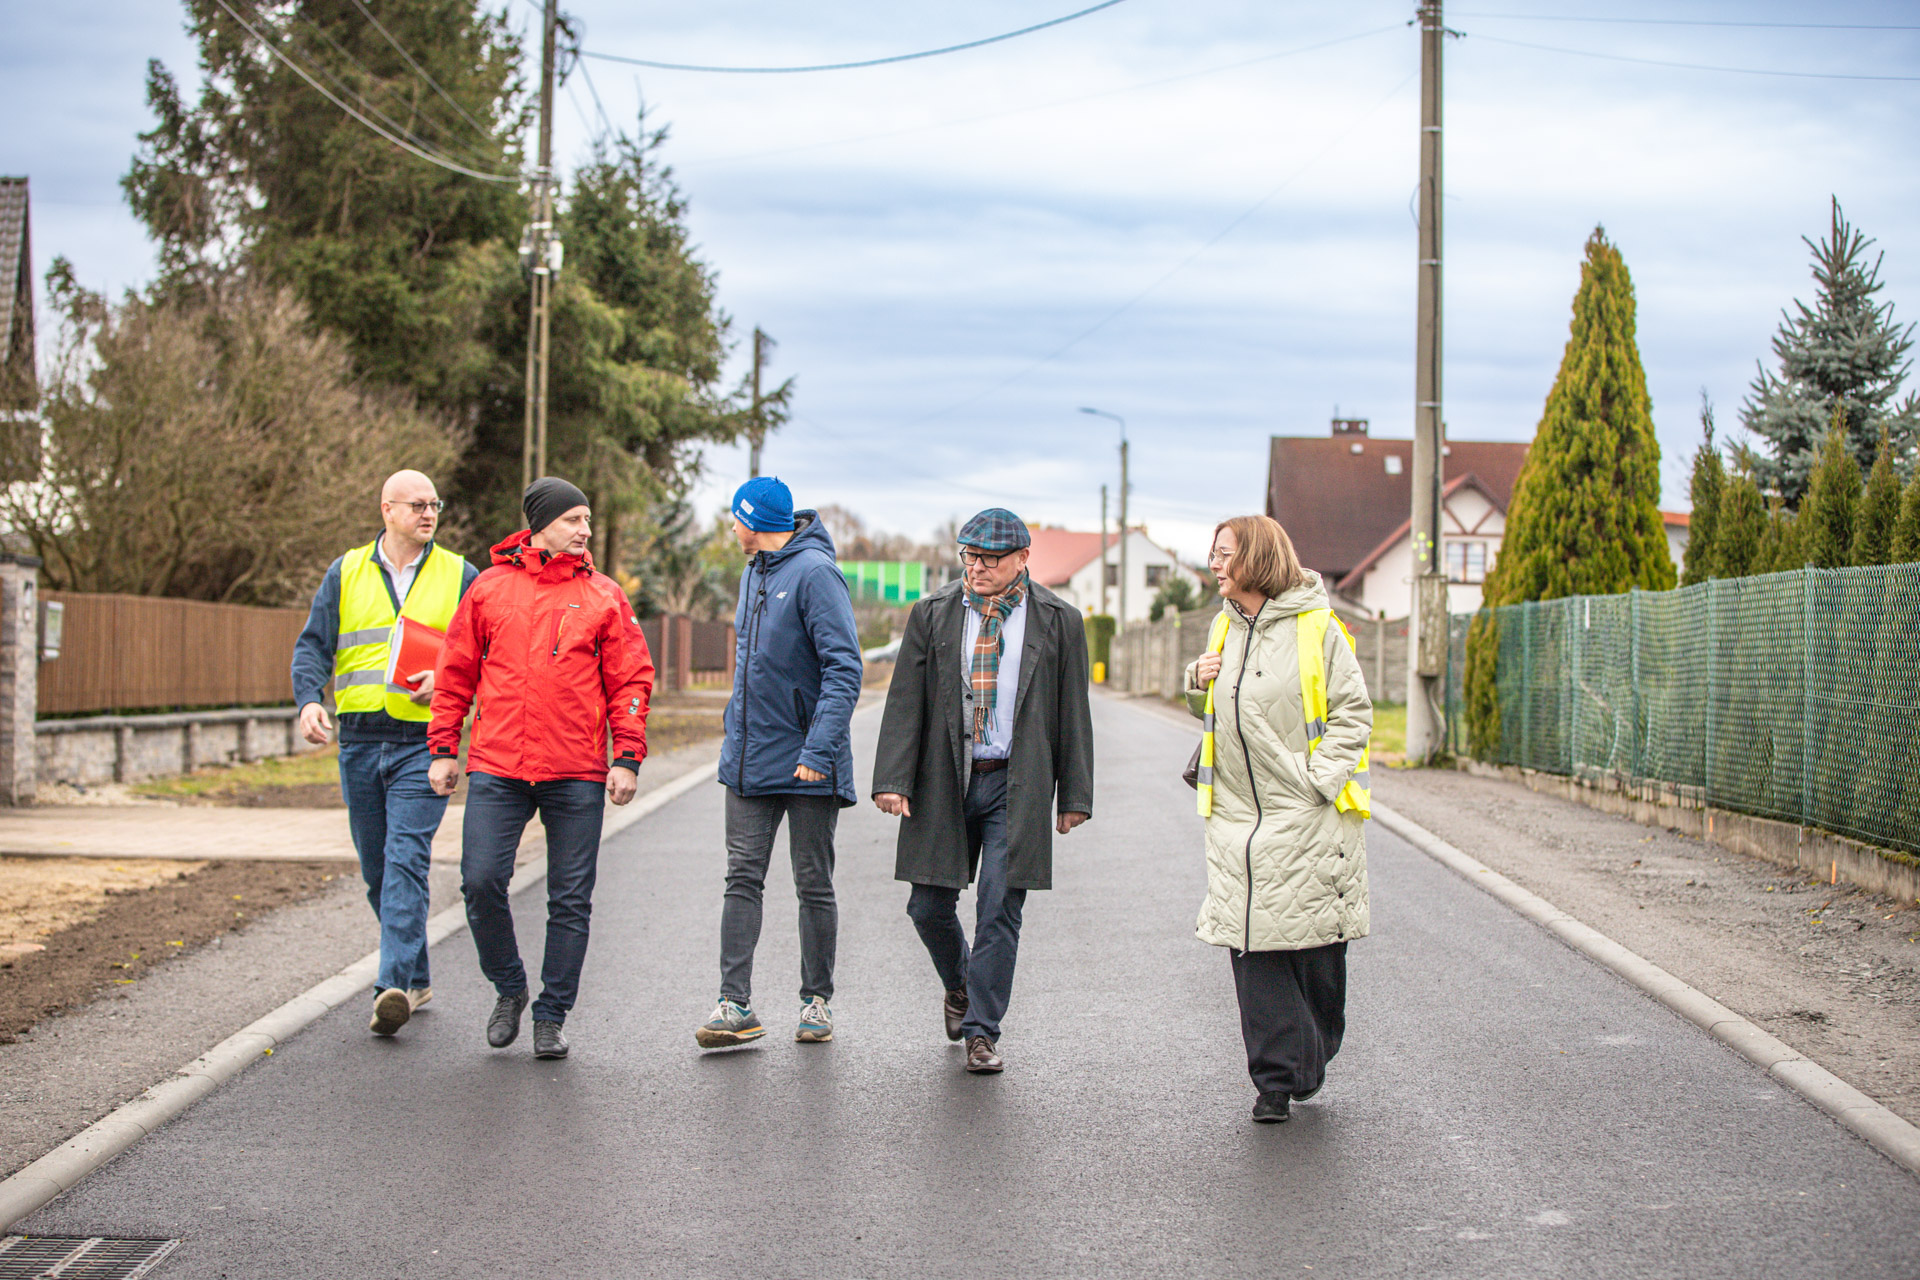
[(796, 674)]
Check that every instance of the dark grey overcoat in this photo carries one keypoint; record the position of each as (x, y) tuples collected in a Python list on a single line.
[(925, 753)]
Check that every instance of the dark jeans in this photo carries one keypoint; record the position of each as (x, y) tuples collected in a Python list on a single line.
[(498, 810), (1293, 1011), (393, 814), (985, 971), (752, 823)]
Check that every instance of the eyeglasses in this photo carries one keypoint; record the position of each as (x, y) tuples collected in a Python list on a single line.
[(1217, 556), (970, 557), (421, 508)]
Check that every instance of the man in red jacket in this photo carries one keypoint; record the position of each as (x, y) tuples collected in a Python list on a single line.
[(550, 657)]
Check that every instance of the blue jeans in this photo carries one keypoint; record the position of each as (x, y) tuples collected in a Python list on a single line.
[(985, 970), (498, 810), (752, 823), (393, 814)]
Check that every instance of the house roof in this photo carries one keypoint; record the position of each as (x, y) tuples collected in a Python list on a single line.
[(1058, 554), (1469, 481), (16, 282), (1337, 501), (1682, 518)]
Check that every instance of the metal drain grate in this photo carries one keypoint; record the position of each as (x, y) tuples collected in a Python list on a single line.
[(79, 1257)]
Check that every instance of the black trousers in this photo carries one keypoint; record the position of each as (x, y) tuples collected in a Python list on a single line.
[(1293, 1011)]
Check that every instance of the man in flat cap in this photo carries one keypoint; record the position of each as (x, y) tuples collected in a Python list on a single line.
[(550, 657), (987, 731)]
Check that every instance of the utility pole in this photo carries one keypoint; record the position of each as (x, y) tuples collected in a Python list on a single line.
[(757, 433), (1427, 617), (1120, 623), (540, 254), (1103, 549)]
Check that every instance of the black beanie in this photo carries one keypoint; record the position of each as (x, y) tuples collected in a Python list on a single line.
[(547, 499)]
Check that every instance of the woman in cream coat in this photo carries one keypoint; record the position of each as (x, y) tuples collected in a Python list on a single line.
[(1286, 867)]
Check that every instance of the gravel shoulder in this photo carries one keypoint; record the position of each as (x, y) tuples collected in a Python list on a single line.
[(113, 1041), (1833, 971)]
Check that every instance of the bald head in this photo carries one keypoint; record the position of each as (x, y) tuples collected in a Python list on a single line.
[(410, 506)]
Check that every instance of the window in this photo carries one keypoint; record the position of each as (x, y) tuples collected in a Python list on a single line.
[(1393, 464), (1466, 561), (1156, 575), (1113, 575)]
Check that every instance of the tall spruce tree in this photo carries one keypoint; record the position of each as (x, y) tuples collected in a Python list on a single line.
[(1742, 524), (1842, 353), (1879, 512), (1709, 481), (1585, 516), (1906, 534), (1827, 517)]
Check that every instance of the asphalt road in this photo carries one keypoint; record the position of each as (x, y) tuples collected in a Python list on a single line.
[(1502, 1107)]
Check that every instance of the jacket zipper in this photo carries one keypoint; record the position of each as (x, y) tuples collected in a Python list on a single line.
[(746, 676), (1253, 785)]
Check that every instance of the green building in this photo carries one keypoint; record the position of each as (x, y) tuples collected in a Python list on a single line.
[(885, 581)]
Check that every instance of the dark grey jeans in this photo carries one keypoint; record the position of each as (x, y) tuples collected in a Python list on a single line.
[(752, 823), (985, 969), (1293, 1014)]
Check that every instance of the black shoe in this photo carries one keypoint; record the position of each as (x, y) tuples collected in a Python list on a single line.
[(547, 1040), (1271, 1109), (503, 1028), (953, 1008), (1302, 1097)]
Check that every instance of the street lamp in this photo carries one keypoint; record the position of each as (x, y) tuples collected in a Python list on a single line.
[(1102, 413)]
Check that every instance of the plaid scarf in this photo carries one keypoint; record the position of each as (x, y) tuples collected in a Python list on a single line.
[(987, 648)]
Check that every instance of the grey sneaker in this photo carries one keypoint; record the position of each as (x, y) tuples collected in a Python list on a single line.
[(391, 1009), (816, 1022), (730, 1024), (418, 996)]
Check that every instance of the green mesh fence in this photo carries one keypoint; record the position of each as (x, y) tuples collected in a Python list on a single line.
[(1793, 696)]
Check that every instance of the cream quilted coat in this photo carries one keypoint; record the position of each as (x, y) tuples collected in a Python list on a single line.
[(1279, 830)]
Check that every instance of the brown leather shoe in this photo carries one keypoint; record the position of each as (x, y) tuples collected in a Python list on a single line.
[(981, 1057), (955, 1009)]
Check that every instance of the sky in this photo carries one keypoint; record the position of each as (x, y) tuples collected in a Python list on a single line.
[(1194, 214)]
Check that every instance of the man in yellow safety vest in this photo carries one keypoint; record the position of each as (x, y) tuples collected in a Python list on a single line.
[(391, 808)]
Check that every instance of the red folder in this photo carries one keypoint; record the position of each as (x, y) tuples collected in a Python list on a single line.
[(412, 647)]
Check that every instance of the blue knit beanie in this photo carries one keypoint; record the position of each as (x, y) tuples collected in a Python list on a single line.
[(764, 504)]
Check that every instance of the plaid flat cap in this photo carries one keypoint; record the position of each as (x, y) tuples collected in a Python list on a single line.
[(995, 530)]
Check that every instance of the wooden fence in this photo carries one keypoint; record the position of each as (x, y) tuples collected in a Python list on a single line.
[(138, 653)]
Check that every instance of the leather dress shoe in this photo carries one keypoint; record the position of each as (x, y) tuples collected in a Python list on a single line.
[(503, 1028), (980, 1056), (954, 1008), (547, 1040)]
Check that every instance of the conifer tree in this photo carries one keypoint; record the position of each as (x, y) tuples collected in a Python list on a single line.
[(1741, 526), (1879, 511), (1906, 534), (1781, 547), (1826, 518), (1709, 480), (1585, 517), (1845, 352)]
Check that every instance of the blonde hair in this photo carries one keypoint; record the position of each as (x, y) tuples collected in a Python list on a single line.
[(1263, 558)]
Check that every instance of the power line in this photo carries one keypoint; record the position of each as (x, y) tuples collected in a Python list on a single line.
[(411, 148), (1172, 271), (849, 66), (1048, 106), (1691, 66), (422, 72), (1692, 22)]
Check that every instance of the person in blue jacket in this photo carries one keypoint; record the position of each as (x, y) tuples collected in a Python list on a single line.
[(788, 751)]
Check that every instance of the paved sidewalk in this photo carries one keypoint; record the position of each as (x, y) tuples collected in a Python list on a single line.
[(195, 832)]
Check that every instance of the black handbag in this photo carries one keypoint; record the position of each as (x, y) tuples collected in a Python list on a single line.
[(1191, 774)]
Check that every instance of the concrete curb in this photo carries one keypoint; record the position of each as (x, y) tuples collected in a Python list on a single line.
[(1894, 1137), (107, 1137)]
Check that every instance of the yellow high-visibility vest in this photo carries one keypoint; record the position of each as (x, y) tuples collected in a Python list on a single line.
[(1310, 637), (366, 621)]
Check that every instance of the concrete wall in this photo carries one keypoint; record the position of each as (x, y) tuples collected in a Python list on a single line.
[(99, 749), (1152, 657)]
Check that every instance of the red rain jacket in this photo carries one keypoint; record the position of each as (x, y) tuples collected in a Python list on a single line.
[(549, 655)]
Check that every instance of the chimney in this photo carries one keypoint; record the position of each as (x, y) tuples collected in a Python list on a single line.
[(1349, 426)]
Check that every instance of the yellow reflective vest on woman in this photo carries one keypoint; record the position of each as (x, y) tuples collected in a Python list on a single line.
[(366, 621), (1286, 850)]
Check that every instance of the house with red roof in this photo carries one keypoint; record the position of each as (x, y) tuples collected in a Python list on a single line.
[(1069, 563)]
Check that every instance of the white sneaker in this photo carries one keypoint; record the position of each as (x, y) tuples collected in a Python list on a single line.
[(391, 1009), (418, 996), (816, 1022)]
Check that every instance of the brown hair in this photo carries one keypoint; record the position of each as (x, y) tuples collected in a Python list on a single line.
[(1263, 558)]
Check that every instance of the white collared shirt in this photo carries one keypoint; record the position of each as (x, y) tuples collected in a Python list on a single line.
[(403, 576), (998, 740)]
